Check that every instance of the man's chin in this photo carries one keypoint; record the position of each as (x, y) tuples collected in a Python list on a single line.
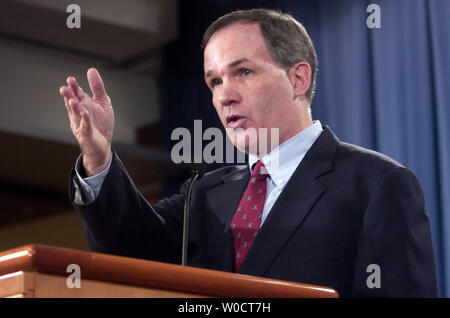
[(246, 142)]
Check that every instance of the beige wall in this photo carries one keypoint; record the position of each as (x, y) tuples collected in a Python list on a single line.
[(64, 229), (30, 102)]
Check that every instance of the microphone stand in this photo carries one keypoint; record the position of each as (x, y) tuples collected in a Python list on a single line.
[(196, 174)]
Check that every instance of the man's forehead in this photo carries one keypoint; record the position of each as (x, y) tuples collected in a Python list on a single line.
[(234, 43), (236, 30)]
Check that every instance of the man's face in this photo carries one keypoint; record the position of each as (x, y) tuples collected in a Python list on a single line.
[(249, 90)]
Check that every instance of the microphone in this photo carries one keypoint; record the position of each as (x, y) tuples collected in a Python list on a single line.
[(197, 173)]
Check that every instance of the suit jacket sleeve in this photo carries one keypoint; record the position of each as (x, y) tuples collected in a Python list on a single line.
[(395, 237), (120, 221)]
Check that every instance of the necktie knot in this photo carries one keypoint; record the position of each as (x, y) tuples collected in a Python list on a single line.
[(259, 171)]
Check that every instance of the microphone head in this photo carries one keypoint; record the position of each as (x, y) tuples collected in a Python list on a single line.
[(198, 169)]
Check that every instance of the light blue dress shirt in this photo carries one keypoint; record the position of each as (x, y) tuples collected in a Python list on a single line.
[(290, 153), (90, 186)]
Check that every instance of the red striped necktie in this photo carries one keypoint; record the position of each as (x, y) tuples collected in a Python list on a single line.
[(247, 219)]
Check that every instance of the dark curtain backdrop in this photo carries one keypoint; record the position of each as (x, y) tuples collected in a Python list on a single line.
[(386, 89)]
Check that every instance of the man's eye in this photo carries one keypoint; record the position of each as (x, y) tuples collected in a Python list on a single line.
[(215, 82), (245, 72)]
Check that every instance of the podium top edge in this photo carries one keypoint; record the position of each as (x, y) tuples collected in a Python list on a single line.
[(138, 272)]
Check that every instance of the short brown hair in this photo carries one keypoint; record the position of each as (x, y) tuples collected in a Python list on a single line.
[(286, 38)]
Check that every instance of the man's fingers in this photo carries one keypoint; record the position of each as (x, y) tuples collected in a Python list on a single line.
[(63, 92), (76, 89), (85, 125), (70, 101), (96, 84), (69, 109), (67, 93), (74, 112)]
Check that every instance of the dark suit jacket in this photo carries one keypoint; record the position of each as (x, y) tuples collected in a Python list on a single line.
[(343, 209)]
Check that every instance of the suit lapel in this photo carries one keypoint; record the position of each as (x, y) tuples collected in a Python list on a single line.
[(292, 206)]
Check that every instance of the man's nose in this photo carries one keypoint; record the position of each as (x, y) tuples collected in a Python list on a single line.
[(229, 94)]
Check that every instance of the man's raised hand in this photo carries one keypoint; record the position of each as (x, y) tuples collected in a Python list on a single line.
[(91, 120)]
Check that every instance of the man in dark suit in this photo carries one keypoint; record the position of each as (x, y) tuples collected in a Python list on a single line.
[(328, 213)]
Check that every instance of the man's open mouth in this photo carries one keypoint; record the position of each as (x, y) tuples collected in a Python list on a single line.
[(235, 121)]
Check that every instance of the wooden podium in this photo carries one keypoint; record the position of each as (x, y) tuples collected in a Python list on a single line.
[(41, 271)]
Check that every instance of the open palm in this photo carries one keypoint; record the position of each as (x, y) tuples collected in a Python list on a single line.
[(91, 120)]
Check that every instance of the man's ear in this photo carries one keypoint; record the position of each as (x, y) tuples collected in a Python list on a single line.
[(300, 76)]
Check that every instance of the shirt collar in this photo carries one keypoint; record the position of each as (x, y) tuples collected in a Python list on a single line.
[(289, 154)]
